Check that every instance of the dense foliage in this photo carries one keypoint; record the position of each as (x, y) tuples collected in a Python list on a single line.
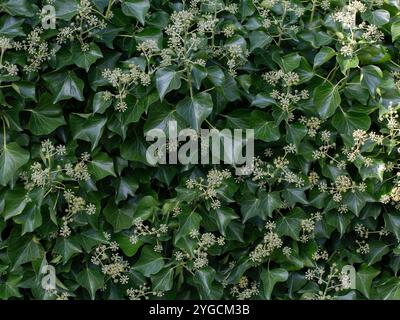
[(318, 81)]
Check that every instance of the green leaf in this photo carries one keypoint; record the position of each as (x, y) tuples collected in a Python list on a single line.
[(12, 157), (346, 123), (390, 289), (326, 99), (338, 220), (290, 225), (377, 250), (11, 26), (23, 249), (263, 130), (9, 288), (22, 8), (67, 248), (324, 55), (150, 262), (87, 127), (126, 245), (163, 281), (84, 59), (377, 17), (347, 63), (203, 279), (195, 110), (64, 86), (392, 224), (262, 206), (101, 166), (188, 221), (126, 186), (395, 30), (259, 39), (270, 278), (371, 78), (364, 278), (223, 217), (46, 117), (355, 201), (30, 219), (92, 280), (15, 203), (25, 89), (294, 196), (136, 8), (291, 61), (100, 105), (66, 9), (120, 218), (166, 81)]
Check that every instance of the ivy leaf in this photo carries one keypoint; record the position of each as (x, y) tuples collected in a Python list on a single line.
[(203, 279), (355, 201), (119, 218), (22, 8), (149, 263), (87, 127), (84, 59), (291, 61), (290, 225), (392, 224), (126, 186), (11, 26), (136, 8), (346, 123), (127, 247), (12, 157), (195, 110), (100, 105), (25, 89), (326, 99), (259, 39), (339, 221), (66, 9), (364, 278), (14, 203), (30, 219), (92, 280), (395, 30), (324, 55), (46, 117), (262, 206), (67, 248), (166, 81), (294, 196), (270, 278), (23, 249), (223, 217), (377, 249), (163, 281), (378, 17), (188, 221), (347, 63), (65, 85), (101, 166), (390, 289), (9, 288), (371, 78)]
